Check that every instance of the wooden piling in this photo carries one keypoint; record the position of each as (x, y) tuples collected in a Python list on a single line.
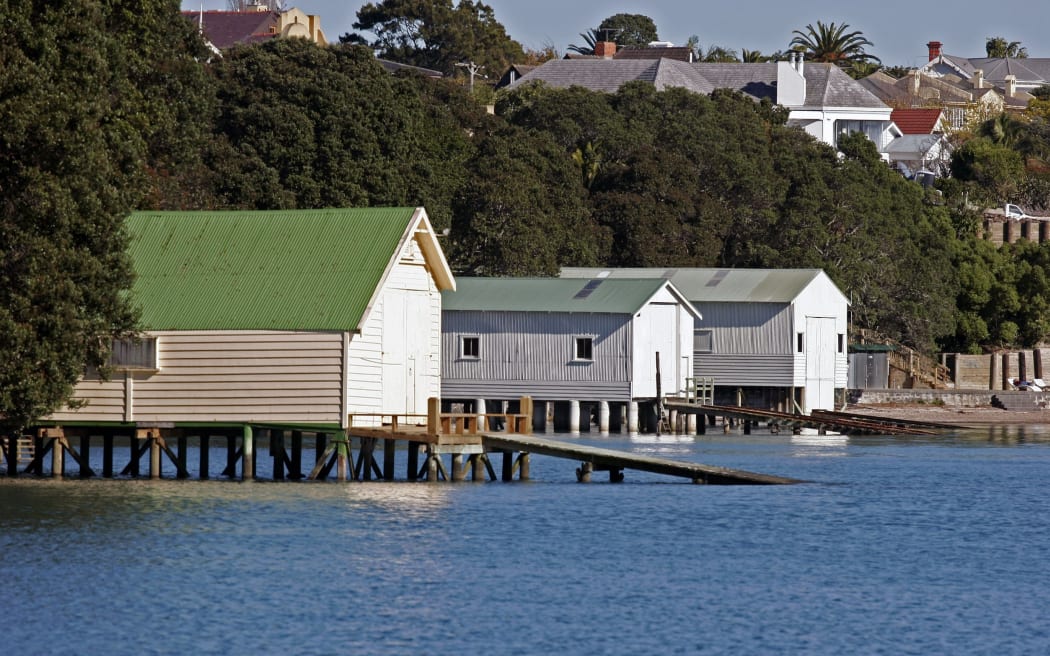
[(154, 456), (85, 452), (413, 461), (458, 468), (58, 458), (277, 451), (583, 472), (296, 473), (508, 466), (107, 455), (388, 459), (247, 454), (205, 447), (180, 463)]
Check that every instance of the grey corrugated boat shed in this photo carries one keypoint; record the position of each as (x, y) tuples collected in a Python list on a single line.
[(508, 337), (763, 329)]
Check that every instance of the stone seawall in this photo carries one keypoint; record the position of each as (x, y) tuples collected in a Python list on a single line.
[(950, 398)]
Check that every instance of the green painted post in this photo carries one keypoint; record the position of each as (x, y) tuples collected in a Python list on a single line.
[(247, 454), (341, 449)]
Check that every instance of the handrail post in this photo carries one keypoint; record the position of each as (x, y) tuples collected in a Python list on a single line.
[(433, 416)]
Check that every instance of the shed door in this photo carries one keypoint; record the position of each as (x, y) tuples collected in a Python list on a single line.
[(405, 334), (657, 330), (821, 346)]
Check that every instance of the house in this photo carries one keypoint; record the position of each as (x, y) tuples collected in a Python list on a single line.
[(923, 149), (608, 74), (1004, 73), (512, 74), (601, 342), (288, 317), (225, 29), (1010, 79), (822, 99), (964, 102), (773, 338)]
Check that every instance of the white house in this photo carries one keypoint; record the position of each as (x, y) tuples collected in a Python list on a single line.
[(603, 342), (769, 337)]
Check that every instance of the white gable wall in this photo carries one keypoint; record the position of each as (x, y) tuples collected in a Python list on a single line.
[(395, 363), (819, 315), (663, 326)]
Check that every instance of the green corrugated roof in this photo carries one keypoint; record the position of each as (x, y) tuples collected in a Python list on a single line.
[(273, 270), (550, 295), (718, 285)]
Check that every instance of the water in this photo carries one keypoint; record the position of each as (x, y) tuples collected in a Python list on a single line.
[(898, 546)]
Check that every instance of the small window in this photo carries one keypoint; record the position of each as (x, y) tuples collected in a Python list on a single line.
[(842, 343), (799, 341), (584, 348), (139, 354), (470, 347), (702, 341)]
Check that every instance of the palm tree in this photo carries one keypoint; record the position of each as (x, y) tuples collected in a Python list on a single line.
[(752, 56), (999, 47), (831, 43), (591, 39)]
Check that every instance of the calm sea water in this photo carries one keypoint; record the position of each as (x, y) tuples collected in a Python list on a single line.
[(897, 546)]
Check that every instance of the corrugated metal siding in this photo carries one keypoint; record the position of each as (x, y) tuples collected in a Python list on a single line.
[(230, 376), (537, 389), (755, 328), (518, 346), (746, 370)]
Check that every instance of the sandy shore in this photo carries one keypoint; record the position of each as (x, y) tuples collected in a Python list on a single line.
[(980, 415)]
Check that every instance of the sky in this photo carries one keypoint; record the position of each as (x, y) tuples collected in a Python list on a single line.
[(898, 29)]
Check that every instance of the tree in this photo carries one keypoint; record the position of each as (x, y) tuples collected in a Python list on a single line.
[(87, 100), (628, 30), (831, 43), (752, 56), (997, 46), (590, 40), (524, 212), (437, 34), (302, 125)]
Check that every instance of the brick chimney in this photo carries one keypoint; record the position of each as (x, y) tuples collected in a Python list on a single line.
[(935, 49), (605, 49)]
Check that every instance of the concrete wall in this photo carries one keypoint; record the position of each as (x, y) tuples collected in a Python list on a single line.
[(990, 371)]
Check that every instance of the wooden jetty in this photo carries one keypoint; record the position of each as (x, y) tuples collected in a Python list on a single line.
[(471, 440), (822, 421)]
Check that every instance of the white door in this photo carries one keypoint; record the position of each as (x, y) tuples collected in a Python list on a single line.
[(821, 345), (406, 333)]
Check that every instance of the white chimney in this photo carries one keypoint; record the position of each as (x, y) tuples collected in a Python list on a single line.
[(1011, 86), (791, 84), (978, 79), (916, 81)]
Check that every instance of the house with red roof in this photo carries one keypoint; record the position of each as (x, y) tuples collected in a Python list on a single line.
[(225, 29)]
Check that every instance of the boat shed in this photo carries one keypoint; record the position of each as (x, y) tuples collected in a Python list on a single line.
[(288, 317), (600, 342), (771, 338)]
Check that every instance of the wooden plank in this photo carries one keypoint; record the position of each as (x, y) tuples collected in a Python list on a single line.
[(623, 460)]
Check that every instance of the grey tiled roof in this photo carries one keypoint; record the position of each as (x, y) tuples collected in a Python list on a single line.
[(1025, 70), (609, 75), (826, 84), (679, 53), (913, 143)]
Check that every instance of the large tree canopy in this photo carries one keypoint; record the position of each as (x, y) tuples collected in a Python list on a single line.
[(89, 97), (628, 30), (437, 34)]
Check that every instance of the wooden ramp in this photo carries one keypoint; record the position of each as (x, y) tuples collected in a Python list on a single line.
[(616, 461), (821, 421)]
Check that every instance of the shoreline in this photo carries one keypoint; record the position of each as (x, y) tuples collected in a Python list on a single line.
[(977, 415)]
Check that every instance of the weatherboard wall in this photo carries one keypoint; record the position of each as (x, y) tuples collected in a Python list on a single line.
[(532, 353), (225, 376)]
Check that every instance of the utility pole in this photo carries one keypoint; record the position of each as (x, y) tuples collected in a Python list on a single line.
[(473, 69)]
